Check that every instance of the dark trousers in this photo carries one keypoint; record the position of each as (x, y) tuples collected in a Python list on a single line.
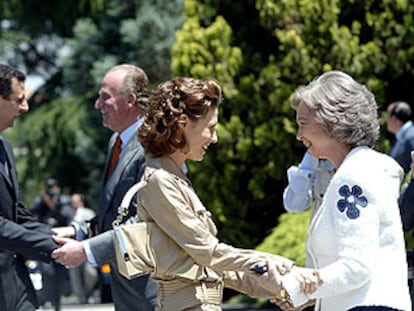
[(55, 277)]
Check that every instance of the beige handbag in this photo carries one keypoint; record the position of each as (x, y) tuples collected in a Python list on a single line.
[(142, 247)]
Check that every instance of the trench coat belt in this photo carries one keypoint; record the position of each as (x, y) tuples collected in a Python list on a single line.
[(191, 295)]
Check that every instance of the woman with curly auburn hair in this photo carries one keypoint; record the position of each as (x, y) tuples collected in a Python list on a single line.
[(172, 103), (180, 125), (355, 237)]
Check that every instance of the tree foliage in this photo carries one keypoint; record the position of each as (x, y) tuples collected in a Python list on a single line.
[(281, 45), (63, 135), (32, 32), (260, 51)]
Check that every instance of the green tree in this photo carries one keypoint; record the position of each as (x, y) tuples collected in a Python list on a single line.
[(269, 49), (32, 32), (99, 35)]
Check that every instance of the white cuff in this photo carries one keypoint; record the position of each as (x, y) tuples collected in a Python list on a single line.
[(89, 254)]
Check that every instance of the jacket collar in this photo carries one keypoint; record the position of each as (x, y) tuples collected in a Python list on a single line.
[(167, 164)]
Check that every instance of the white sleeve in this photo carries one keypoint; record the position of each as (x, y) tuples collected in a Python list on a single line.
[(298, 195), (354, 212)]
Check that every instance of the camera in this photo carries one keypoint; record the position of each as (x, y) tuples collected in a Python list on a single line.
[(50, 185)]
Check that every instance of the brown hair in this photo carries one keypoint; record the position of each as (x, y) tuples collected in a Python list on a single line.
[(161, 133), (7, 73)]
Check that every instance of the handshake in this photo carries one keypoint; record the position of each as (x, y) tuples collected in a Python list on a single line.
[(71, 251), (287, 285)]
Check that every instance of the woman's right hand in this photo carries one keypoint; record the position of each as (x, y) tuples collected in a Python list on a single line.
[(309, 279)]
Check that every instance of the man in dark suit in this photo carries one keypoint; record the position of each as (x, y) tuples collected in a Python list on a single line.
[(122, 101), (21, 236), (400, 124)]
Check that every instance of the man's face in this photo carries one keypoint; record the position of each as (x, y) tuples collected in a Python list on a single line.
[(12, 107), (393, 124), (116, 109)]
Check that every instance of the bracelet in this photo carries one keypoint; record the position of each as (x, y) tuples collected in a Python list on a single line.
[(283, 294)]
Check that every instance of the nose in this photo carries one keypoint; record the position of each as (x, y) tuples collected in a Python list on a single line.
[(98, 104), (214, 138), (299, 134), (24, 106)]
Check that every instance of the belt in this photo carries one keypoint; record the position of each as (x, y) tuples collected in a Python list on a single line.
[(173, 299)]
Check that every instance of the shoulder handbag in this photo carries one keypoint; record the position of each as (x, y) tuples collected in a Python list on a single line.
[(141, 247)]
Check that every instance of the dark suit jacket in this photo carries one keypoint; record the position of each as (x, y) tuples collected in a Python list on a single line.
[(126, 173), (406, 203), (21, 236), (138, 294), (401, 150)]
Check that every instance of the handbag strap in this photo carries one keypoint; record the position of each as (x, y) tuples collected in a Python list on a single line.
[(129, 195), (126, 201)]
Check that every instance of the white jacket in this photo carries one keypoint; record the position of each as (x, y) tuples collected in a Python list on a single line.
[(356, 239)]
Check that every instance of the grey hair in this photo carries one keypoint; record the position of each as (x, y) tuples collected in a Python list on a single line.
[(345, 109), (135, 81)]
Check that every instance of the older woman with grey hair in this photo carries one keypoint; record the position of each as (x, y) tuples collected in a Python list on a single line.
[(355, 239)]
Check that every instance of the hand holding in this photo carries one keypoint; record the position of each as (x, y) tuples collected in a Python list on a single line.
[(286, 305), (309, 279), (71, 253)]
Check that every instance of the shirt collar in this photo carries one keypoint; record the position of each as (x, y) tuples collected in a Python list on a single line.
[(403, 129), (129, 132)]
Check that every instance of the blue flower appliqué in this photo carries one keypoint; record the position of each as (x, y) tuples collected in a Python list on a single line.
[(352, 198)]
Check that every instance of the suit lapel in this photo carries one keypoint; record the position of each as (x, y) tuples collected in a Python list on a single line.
[(109, 187), (9, 174), (12, 166)]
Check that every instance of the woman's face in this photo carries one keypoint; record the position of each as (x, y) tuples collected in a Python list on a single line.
[(200, 134), (311, 134)]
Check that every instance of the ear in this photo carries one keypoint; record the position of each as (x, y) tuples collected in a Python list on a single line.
[(182, 120), (132, 98)]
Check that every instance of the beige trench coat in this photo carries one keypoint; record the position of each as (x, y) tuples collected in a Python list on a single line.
[(170, 202)]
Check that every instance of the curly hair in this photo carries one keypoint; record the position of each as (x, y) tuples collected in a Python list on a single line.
[(161, 133), (345, 109)]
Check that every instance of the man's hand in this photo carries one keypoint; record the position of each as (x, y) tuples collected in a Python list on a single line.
[(70, 254)]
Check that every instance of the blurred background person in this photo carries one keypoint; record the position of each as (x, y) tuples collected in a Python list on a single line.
[(81, 214), (54, 209), (84, 277), (400, 124)]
